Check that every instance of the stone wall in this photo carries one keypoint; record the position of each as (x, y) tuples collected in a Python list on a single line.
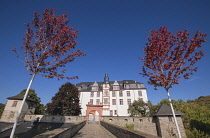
[(10, 112), (62, 132), (121, 132), (168, 130), (143, 124), (158, 126), (57, 119)]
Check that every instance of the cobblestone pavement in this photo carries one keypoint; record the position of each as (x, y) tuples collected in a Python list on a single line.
[(93, 131)]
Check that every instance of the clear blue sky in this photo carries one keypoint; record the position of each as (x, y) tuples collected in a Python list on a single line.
[(112, 33)]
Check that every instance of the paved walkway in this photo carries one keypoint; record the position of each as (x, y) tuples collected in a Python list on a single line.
[(93, 131)]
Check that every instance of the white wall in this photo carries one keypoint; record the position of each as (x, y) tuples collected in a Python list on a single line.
[(121, 109)]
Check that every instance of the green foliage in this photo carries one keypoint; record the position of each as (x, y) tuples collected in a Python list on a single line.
[(140, 108), (129, 126), (197, 115), (65, 101), (32, 94), (176, 104), (1, 111), (194, 133), (40, 109), (202, 101)]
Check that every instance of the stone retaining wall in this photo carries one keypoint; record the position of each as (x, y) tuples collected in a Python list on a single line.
[(62, 132), (163, 126), (142, 124), (121, 132), (55, 119)]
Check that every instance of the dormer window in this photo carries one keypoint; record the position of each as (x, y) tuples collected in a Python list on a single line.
[(79, 87), (94, 88), (127, 86), (132, 85), (116, 87)]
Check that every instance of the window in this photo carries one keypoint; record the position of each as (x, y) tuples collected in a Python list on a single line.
[(115, 87), (170, 119), (127, 86), (132, 85), (129, 101), (140, 93), (92, 94), (128, 93), (128, 111), (98, 94), (113, 94), (113, 101), (91, 102), (121, 93), (121, 101), (139, 85), (141, 99), (111, 112), (11, 115), (94, 88), (115, 112), (97, 101), (14, 104), (106, 93), (105, 100)]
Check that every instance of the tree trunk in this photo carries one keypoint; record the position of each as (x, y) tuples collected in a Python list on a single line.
[(172, 109), (21, 106)]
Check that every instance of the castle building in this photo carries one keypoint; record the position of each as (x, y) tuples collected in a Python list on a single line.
[(112, 97)]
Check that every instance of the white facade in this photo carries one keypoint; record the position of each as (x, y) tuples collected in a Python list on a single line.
[(115, 96)]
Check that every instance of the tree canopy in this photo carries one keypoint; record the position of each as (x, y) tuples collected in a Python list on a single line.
[(169, 57), (48, 42), (47, 47), (65, 101), (140, 108)]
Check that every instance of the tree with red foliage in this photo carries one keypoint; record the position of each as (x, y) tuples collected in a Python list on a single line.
[(169, 57), (46, 47)]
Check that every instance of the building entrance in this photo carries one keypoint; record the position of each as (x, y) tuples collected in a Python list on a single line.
[(94, 114)]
